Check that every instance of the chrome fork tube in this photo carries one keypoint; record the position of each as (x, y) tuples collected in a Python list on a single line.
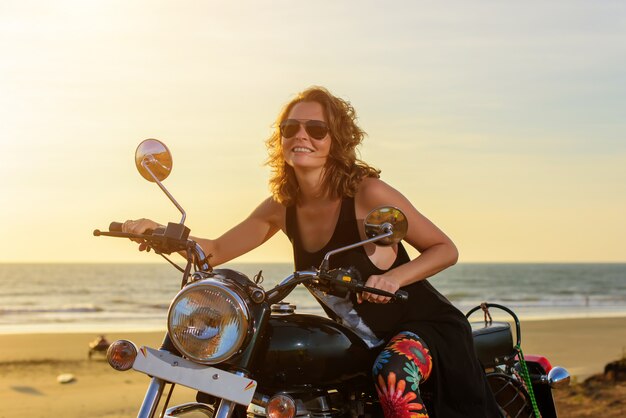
[(152, 398), (225, 409)]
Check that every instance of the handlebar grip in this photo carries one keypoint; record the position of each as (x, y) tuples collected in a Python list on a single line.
[(115, 227), (402, 295)]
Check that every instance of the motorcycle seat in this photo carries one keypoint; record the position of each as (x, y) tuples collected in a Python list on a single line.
[(493, 342)]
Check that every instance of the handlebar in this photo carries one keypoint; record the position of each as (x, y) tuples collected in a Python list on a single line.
[(351, 279), (400, 295), (337, 282), (171, 239), (117, 227), (174, 238)]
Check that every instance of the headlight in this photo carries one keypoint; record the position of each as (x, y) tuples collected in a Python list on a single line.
[(208, 321)]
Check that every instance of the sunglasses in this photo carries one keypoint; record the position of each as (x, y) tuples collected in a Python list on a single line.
[(316, 129)]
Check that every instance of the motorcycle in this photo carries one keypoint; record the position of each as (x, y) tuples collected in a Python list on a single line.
[(247, 352)]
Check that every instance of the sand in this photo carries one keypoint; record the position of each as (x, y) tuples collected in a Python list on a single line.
[(31, 363)]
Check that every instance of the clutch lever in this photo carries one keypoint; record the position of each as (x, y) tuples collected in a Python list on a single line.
[(98, 233)]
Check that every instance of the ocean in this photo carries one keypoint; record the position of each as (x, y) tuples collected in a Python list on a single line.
[(135, 297)]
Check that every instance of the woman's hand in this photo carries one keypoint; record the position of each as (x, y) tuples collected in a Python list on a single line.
[(140, 226), (381, 282)]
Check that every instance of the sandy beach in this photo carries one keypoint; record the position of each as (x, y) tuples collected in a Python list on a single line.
[(30, 364)]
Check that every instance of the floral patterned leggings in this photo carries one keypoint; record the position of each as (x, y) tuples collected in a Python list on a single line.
[(399, 369)]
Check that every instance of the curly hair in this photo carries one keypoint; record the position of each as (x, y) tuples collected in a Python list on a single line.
[(343, 171)]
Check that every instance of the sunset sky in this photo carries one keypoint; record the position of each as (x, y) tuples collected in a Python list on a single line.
[(503, 122)]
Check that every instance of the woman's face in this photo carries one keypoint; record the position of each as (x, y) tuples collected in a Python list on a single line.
[(302, 150)]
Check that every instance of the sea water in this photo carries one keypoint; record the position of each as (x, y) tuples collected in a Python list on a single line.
[(125, 297)]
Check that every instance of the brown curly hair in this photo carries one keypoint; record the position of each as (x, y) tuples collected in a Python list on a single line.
[(343, 171)]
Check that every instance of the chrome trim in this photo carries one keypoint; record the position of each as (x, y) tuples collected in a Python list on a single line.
[(200, 256), (225, 409), (324, 265), (149, 159), (177, 410), (260, 399), (307, 274), (152, 398), (558, 377)]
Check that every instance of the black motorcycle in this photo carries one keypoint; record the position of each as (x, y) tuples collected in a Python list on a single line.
[(247, 352)]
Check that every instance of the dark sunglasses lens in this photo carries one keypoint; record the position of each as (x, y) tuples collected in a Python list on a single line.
[(316, 129), (289, 128)]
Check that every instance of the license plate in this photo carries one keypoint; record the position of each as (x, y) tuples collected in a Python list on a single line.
[(205, 379)]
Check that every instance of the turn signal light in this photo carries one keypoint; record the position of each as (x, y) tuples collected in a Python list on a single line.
[(121, 355), (281, 406)]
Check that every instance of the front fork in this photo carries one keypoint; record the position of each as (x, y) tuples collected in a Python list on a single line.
[(153, 396), (261, 313), (225, 409)]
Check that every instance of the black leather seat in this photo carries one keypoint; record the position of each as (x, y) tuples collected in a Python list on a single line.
[(493, 342)]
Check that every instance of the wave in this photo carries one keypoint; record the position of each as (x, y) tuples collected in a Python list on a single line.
[(63, 309), (454, 296), (160, 306)]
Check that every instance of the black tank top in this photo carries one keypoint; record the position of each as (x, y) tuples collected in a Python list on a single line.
[(383, 319), (457, 386)]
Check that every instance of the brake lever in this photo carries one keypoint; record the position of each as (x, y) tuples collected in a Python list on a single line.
[(160, 243), (98, 233)]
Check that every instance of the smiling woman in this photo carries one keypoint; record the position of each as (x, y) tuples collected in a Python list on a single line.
[(300, 148), (343, 171), (319, 192)]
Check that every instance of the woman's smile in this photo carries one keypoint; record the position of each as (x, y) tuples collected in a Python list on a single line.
[(301, 150)]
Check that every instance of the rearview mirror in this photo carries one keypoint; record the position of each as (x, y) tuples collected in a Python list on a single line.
[(384, 226), (383, 220), (153, 160)]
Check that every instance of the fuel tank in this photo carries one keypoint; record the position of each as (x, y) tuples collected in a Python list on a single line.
[(309, 350)]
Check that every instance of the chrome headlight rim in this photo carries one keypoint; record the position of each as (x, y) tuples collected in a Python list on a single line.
[(235, 294)]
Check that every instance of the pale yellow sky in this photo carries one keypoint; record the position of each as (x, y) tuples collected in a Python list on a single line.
[(503, 123)]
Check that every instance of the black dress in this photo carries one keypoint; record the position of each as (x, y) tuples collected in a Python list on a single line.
[(457, 386)]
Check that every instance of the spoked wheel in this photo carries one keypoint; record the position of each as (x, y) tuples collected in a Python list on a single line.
[(511, 396)]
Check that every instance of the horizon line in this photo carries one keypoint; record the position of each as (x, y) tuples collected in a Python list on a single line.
[(291, 262)]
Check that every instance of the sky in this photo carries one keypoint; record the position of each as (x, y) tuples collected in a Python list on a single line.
[(503, 122)]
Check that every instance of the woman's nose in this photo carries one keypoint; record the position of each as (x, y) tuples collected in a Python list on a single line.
[(302, 133)]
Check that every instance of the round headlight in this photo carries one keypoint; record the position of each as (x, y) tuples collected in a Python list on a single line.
[(208, 321)]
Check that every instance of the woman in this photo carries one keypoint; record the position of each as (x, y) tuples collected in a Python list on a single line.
[(319, 190)]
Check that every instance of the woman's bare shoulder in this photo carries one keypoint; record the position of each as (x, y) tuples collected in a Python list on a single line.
[(271, 211), (373, 192)]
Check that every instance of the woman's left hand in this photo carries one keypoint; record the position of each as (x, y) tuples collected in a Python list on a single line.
[(381, 282)]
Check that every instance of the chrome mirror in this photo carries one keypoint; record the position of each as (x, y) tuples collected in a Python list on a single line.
[(153, 160), (384, 226), (386, 220)]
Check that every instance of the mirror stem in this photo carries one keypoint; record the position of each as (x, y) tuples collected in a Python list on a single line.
[(388, 232), (151, 160)]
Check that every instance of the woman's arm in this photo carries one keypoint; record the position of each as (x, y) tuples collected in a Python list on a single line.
[(267, 219), (258, 227), (437, 251)]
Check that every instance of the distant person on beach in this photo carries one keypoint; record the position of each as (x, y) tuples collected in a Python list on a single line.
[(319, 189)]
